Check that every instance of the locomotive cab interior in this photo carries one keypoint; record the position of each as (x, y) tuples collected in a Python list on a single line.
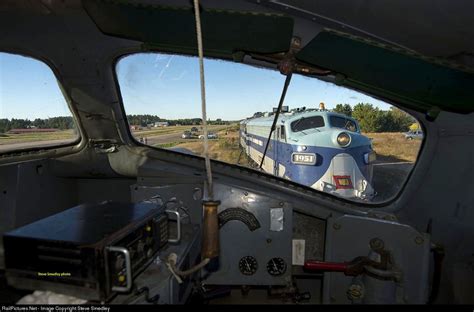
[(100, 216)]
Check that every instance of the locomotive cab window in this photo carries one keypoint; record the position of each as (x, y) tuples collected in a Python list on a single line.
[(282, 133), (33, 110), (306, 123), (344, 123), (328, 138)]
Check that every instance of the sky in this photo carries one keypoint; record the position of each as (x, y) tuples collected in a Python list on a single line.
[(168, 86)]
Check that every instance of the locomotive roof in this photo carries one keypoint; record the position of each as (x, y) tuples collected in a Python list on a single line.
[(290, 116)]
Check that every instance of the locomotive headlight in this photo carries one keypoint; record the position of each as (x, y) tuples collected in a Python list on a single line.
[(343, 139), (301, 148)]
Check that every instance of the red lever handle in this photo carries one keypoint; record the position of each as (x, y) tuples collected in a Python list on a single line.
[(313, 265)]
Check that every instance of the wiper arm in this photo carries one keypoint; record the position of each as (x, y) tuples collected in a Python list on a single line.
[(277, 114), (286, 67), (346, 124)]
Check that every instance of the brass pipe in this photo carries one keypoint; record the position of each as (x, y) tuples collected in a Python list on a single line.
[(210, 235)]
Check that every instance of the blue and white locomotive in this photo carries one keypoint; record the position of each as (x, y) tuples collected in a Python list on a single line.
[(314, 147)]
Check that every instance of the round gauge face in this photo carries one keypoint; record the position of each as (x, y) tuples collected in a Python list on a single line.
[(248, 265), (276, 266)]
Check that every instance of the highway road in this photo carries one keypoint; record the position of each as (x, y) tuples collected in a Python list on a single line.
[(151, 140), (388, 178), (173, 137)]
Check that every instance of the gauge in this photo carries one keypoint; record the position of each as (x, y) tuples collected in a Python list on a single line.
[(276, 266), (248, 265)]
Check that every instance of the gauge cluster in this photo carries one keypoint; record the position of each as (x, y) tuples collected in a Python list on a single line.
[(248, 265), (255, 239)]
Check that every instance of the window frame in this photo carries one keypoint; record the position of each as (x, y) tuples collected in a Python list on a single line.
[(77, 144)]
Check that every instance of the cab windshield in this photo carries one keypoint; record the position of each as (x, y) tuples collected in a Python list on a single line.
[(305, 123), (344, 123)]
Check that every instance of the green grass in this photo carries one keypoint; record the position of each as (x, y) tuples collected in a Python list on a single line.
[(226, 148), (393, 147), (39, 136)]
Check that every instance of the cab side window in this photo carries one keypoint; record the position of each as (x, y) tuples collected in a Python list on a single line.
[(33, 110)]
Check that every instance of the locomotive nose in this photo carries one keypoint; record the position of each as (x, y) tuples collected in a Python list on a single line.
[(345, 178)]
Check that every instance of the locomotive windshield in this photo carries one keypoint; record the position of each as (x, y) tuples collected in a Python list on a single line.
[(354, 147), (305, 123), (344, 123)]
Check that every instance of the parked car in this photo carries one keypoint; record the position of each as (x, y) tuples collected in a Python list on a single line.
[(209, 136), (416, 134), (187, 135)]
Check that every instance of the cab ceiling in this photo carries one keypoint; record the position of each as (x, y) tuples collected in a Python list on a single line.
[(435, 28), (421, 59)]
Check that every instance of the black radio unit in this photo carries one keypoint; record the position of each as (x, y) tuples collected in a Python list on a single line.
[(91, 251)]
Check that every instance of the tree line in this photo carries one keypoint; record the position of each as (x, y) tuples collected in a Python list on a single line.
[(145, 120), (370, 118), (373, 119), (61, 123), (67, 122)]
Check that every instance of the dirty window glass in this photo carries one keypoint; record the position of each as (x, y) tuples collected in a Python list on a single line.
[(33, 110), (331, 139), (305, 123), (344, 123)]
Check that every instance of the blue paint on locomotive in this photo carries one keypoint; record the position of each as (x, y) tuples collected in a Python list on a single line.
[(308, 174), (321, 140)]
